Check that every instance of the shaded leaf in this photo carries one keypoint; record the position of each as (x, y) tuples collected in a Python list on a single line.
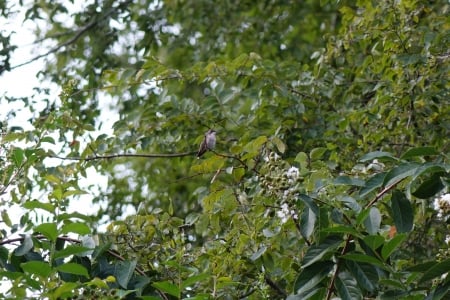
[(373, 221), (347, 287), (377, 155), (419, 151), (429, 187), (400, 172), (402, 212), (167, 287), (317, 252), (391, 245), (310, 277), (436, 271), (73, 268), (124, 271), (372, 184), (307, 222)]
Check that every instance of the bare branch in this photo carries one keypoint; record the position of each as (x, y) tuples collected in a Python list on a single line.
[(118, 155)]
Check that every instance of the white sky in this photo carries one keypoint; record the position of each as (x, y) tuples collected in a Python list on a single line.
[(20, 83)]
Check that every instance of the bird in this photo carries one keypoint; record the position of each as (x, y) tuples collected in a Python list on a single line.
[(208, 143)]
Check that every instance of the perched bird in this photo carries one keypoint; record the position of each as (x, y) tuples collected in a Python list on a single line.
[(208, 143)]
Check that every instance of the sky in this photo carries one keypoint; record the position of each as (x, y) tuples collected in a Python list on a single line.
[(20, 82)]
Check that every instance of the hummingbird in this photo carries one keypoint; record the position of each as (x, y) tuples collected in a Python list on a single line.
[(208, 143)]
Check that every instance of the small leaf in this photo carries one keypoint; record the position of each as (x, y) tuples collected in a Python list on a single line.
[(73, 268), (377, 155), (65, 290), (167, 287), (436, 271), (400, 172), (317, 252), (79, 228), (307, 222), (280, 145), (36, 204), (5, 218), (373, 221), (47, 229), (262, 249), (309, 202), (312, 276), (317, 153), (372, 184), (194, 279), (70, 250), (419, 151), (429, 187), (391, 245), (347, 180), (18, 156), (39, 268), (124, 271), (402, 212)]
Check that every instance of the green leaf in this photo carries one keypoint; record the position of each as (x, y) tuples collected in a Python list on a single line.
[(347, 287), (280, 145), (73, 268), (364, 259), (124, 271), (47, 229), (5, 218), (391, 245), (373, 183), (419, 151), (365, 274), (400, 172), (79, 228), (429, 187), (65, 290), (317, 153), (70, 250), (302, 159), (191, 280), (373, 241), (317, 252), (309, 202), (38, 268), (262, 249), (310, 277), (343, 230), (18, 156), (373, 221), (36, 204), (307, 222), (347, 180), (25, 247), (402, 212), (437, 270), (167, 287), (378, 155)]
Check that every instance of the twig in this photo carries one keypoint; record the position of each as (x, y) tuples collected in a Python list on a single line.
[(274, 286), (118, 155), (330, 288), (383, 192)]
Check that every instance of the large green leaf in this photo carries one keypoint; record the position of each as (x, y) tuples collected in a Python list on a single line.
[(47, 229), (365, 274), (311, 277), (317, 252), (167, 287), (73, 268), (400, 172), (347, 287), (419, 151), (402, 212), (373, 221), (436, 271), (307, 222), (372, 184), (39, 268), (390, 246)]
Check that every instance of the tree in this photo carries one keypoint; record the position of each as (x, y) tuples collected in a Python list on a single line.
[(332, 122)]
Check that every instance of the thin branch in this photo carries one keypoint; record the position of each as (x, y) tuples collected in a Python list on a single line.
[(383, 192), (232, 157), (274, 285), (73, 39), (330, 288), (119, 155)]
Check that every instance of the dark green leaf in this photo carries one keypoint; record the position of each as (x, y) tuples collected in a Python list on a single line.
[(317, 252), (377, 155), (429, 187), (365, 274), (310, 277), (309, 202), (307, 222), (402, 212), (123, 272), (262, 249), (347, 180), (391, 245), (400, 172), (18, 156), (343, 229), (436, 271), (347, 287), (419, 151), (70, 250), (364, 259), (373, 183)]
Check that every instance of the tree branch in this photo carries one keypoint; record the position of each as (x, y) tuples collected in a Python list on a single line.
[(118, 155), (383, 192)]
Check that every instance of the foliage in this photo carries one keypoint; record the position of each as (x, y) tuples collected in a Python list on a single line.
[(332, 122)]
